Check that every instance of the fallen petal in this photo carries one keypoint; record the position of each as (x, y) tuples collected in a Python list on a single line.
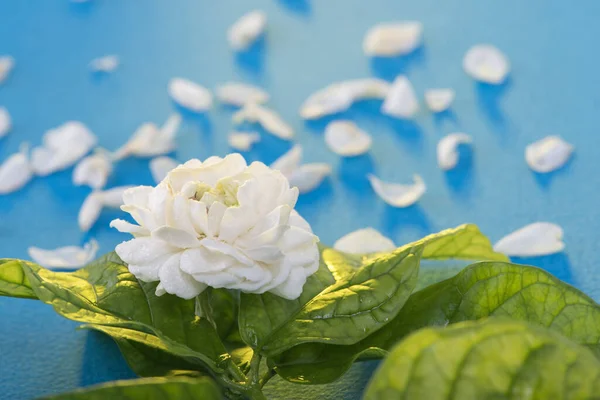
[(401, 102), (485, 63), (90, 211), (5, 122), (347, 139), (309, 176), (267, 118), (105, 64), (170, 128), (113, 197), (150, 141), (93, 170), (15, 172), (447, 149), (246, 30), (548, 154), (439, 100), (190, 95), (398, 195), (389, 40), (364, 241), (537, 239), (71, 257), (161, 166), (243, 141), (7, 63), (289, 162), (240, 94)]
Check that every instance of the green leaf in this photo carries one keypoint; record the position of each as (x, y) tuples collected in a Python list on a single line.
[(342, 313), (480, 290), (490, 359), (13, 282), (148, 388)]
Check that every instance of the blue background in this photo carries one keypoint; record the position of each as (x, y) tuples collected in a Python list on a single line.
[(553, 89)]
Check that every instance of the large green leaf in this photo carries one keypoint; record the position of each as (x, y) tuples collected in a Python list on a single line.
[(148, 389), (480, 290), (464, 242), (342, 313), (490, 359), (13, 282)]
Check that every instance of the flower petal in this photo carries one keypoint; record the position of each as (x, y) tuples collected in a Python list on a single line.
[(548, 154), (447, 149), (144, 250), (485, 63), (72, 257), (5, 122), (93, 171), (161, 166), (246, 30), (290, 161), (267, 118), (7, 63), (537, 239), (364, 241), (309, 176), (198, 216), (291, 288), (242, 141), (389, 40), (190, 95), (207, 173), (15, 172), (215, 215), (180, 216), (345, 138), (240, 94), (402, 101), (90, 211), (398, 195), (127, 227), (439, 100), (105, 64), (137, 196), (175, 237), (113, 197), (174, 281)]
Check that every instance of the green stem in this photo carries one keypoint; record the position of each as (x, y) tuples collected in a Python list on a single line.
[(254, 368), (257, 394), (266, 377)]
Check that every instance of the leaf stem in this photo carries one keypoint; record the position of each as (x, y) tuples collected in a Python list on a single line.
[(254, 368), (266, 377)]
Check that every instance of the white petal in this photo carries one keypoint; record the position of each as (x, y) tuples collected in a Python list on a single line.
[(240, 94), (247, 30), (93, 170), (398, 195), (290, 161), (114, 197), (149, 140), (105, 64), (161, 166), (388, 40), (170, 128), (72, 257), (190, 95), (175, 237), (7, 63), (537, 239), (267, 118), (5, 122), (90, 211), (485, 63), (62, 147), (339, 96), (439, 100), (347, 139), (174, 281), (402, 101), (548, 154), (309, 176), (364, 241), (447, 149), (127, 227), (15, 172), (243, 141)]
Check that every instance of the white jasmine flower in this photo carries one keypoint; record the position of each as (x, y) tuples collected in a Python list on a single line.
[(219, 223)]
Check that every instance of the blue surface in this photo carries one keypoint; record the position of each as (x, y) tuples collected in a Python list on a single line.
[(554, 89)]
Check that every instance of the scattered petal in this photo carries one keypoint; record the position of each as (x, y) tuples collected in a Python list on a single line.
[(150, 141), (93, 170), (485, 63), (308, 177), (5, 122), (548, 154), (190, 95), (240, 94), (90, 211), (62, 147), (339, 96), (537, 239), (161, 166), (447, 149), (105, 64), (113, 197), (71, 257), (7, 63), (364, 241), (393, 39), (243, 141), (246, 30), (15, 172), (439, 100), (398, 195), (347, 139), (401, 102), (267, 118), (289, 162)]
